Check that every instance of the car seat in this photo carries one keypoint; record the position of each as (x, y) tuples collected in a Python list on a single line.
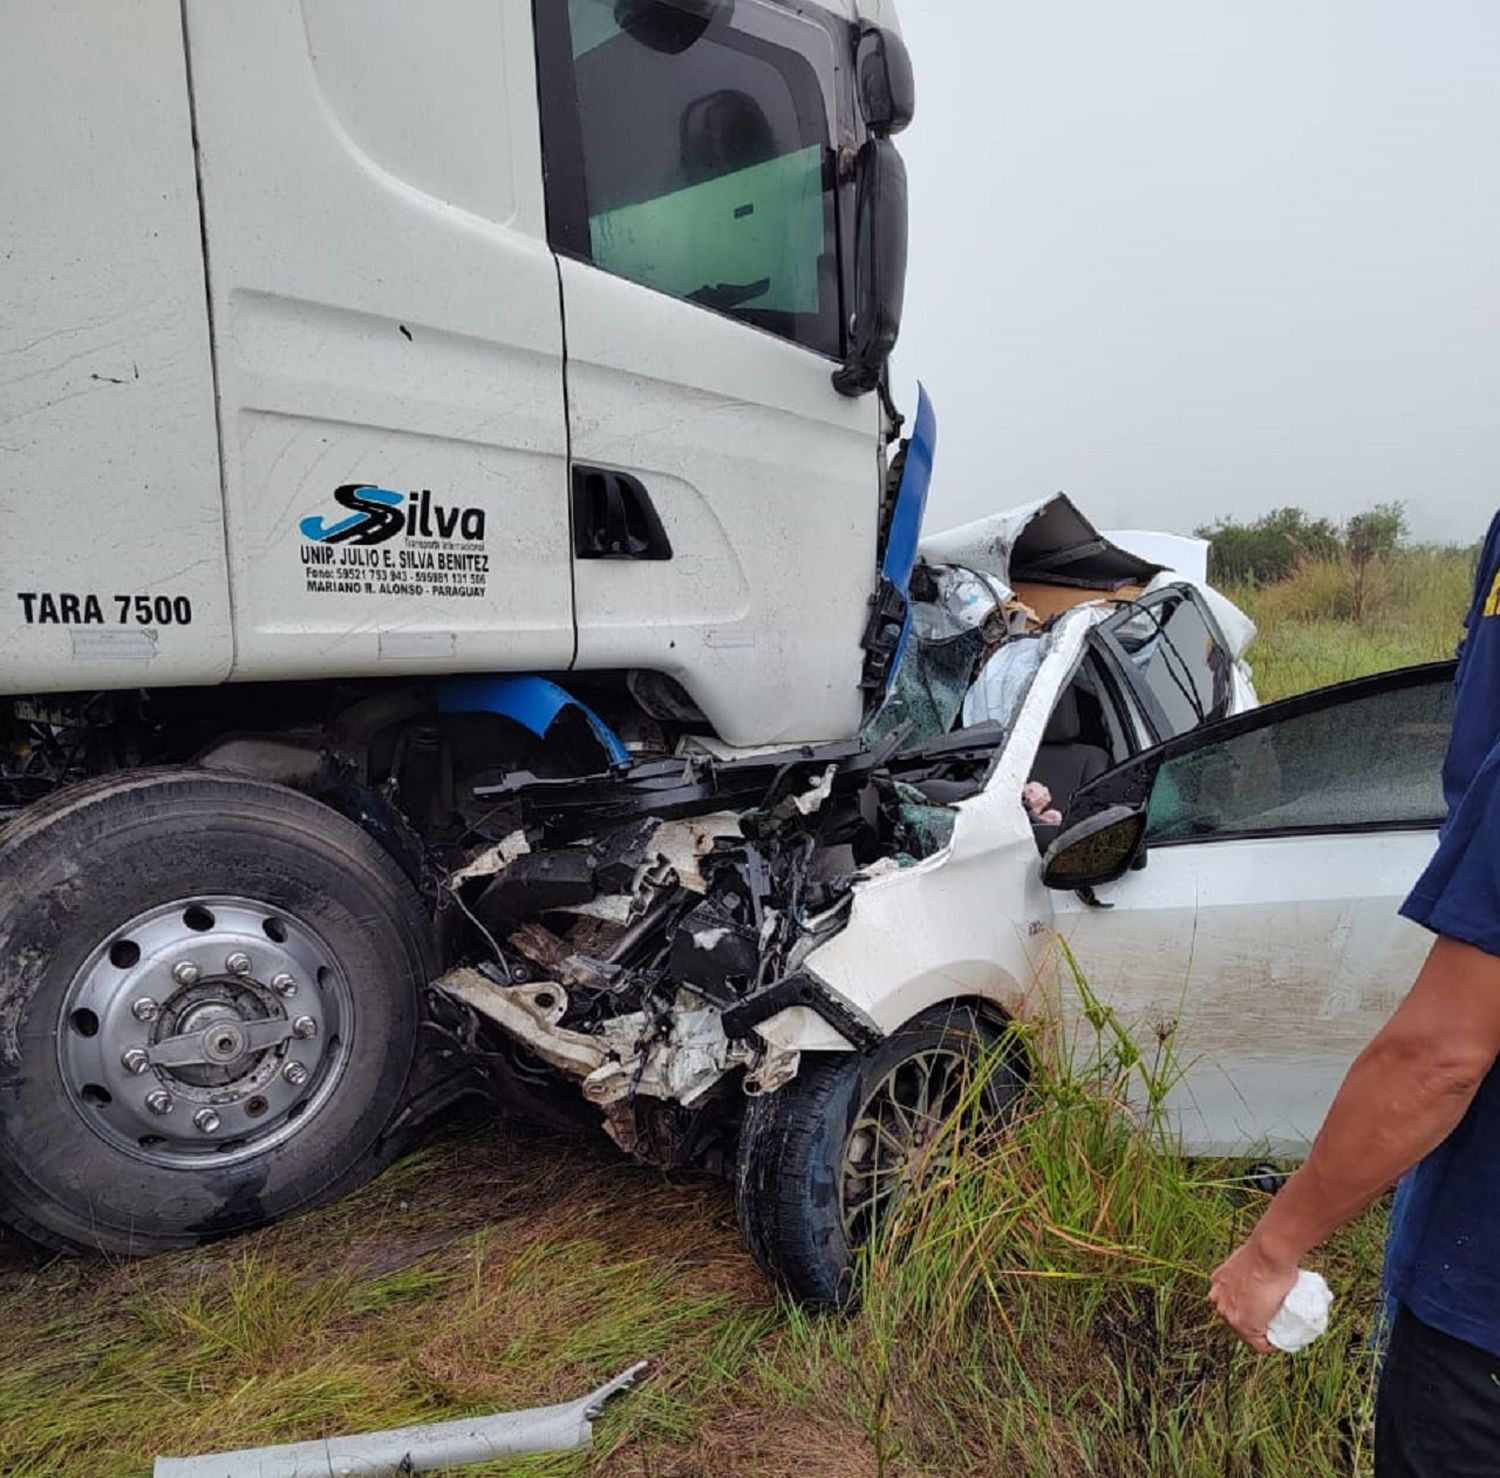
[(1066, 759)]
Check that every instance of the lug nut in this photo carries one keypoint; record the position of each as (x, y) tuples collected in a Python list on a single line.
[(283, 984), (145, 1009), (159, 1101), (185, 972), (206, 1120), (134, 1060), (238, 963), (304, 1026), (295, 1074)]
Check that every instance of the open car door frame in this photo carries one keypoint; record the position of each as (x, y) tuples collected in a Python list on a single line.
[(1250, 915)]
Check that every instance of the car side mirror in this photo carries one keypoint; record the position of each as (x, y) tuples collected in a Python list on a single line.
[(1101, 849), (887, 91), (879, 266)]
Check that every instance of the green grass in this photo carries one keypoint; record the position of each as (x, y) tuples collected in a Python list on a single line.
[(489, 1272), (1412, 610), (1038, 1310)]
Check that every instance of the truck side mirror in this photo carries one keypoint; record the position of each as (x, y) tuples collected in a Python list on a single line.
[(887, 91), (1101, 849), (879, 266)]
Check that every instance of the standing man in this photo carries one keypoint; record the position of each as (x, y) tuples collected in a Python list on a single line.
[(1424, 1093)]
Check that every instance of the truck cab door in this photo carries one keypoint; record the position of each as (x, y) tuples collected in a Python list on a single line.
[(726, 496), (1261, 931), (387, 335)]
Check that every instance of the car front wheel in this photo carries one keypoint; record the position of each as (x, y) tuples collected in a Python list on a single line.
[(823, 1159)]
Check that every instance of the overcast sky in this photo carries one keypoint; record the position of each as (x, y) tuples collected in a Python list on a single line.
[(1187, 258)]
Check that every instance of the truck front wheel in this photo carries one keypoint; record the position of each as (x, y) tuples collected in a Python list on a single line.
[(209, 994)]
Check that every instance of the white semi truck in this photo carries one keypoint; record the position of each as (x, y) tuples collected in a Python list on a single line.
[(355, 351)]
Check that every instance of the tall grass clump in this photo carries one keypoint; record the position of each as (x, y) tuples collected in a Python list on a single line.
[(1412, 608), (1338, 602), (1038, 1305)]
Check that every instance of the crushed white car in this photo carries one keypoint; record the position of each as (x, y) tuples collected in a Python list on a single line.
[(784, 964)]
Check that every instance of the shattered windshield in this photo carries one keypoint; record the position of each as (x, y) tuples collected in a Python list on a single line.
[(928, 691), (970, 656)]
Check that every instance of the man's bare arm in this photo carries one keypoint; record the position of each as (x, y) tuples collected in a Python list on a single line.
[(1404, 1095)]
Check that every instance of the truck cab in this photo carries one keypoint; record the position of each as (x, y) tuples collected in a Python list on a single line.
[(364, 340)]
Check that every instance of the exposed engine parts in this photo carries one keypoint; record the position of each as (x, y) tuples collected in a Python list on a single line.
[(642, 926)]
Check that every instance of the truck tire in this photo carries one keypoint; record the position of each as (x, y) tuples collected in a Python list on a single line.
[(209, 999), (809, 1189)]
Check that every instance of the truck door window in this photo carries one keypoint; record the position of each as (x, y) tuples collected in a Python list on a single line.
[(698, 161), (1175, 662)]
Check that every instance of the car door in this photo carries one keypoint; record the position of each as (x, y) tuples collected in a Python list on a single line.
[(1258, 929), (698, 196)]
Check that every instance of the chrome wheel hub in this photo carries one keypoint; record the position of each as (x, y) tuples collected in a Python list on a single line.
[(205, 1030)]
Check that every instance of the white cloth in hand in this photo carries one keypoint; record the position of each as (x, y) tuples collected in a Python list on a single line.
[(1303, 1314)]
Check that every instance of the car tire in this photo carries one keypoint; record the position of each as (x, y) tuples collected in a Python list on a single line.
[(268, 946), (797, 1172)]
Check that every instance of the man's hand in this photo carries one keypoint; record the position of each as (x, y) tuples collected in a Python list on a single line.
[(1248, 1288), (1403, 1096)]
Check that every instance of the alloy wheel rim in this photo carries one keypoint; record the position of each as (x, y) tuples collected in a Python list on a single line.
[(893, 1132)]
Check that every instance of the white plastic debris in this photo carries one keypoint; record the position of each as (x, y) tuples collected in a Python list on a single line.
[(810, 800), (493, 859), (1303, 1314)]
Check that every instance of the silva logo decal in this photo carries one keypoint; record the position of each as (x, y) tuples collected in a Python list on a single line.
[(392, 543), (380, 514)]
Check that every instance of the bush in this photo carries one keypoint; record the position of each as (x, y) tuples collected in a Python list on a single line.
[(1368, 538), (1269, 549), (1277, 545), (1375, 534), (1317, 590)]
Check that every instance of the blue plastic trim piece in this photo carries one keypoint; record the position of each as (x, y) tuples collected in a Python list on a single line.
[(906, 518), (533, 702), (911, 497)]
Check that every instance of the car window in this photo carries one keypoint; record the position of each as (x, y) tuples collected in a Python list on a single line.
[(707, 165), (1373, 760), (1175, 661), (1084, 738), (1094, 679)]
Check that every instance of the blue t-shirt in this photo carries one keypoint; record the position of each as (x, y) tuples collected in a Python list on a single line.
[(1443, 1253)]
